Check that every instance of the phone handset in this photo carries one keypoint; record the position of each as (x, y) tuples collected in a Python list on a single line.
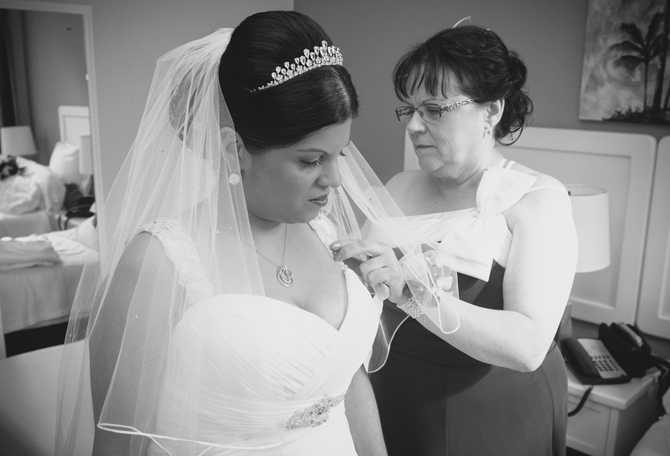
[(627, 333)]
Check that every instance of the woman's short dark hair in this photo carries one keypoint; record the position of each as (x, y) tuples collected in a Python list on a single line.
[(483, 67), (281, 115)]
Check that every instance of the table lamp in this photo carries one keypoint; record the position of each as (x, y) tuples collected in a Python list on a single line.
[(17, 141), (590, 210)]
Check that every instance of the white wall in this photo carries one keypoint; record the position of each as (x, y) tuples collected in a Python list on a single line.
[(129, 37), (373, 34), (56, 72)]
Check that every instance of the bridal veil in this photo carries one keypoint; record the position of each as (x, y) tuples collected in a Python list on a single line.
[(181, 180)]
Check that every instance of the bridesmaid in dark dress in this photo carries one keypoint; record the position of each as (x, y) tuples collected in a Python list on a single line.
[(497, 385)]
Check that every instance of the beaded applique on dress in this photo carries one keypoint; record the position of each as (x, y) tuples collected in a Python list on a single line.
[(327, 232), (314, 415), (181, 250)]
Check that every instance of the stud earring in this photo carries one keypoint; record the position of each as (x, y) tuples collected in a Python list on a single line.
[(234, 179)]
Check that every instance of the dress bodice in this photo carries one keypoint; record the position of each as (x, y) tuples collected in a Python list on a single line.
[(267, 372), (287, 354)]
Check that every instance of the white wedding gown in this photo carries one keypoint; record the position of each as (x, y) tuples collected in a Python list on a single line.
[(272, 377)]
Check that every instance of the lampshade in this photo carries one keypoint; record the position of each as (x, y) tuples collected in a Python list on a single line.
[(17, 141), (590, 210), (85, 155)]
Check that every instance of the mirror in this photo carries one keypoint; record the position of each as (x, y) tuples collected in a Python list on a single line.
[(67, 64), (35, 316)]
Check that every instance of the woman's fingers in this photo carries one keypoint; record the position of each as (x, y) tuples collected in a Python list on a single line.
[(375, 263), (357, 248)]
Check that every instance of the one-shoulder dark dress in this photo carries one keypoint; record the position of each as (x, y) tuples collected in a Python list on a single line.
[(434, 400)]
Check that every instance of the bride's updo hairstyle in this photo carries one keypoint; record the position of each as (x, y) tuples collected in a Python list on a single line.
[(281, 115), (483, 67)]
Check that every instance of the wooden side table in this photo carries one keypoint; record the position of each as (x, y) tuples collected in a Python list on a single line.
[(614, 418)]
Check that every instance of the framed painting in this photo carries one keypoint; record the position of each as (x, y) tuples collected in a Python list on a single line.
[(625, 73)]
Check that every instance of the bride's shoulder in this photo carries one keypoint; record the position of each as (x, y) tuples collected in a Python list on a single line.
[(142, 245), (164, 245), (157, 241)]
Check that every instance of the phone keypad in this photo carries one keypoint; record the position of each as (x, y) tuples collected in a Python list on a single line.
[(604, 363), (601, 359)]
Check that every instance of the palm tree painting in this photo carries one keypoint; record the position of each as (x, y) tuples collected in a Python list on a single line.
[(624, 76)]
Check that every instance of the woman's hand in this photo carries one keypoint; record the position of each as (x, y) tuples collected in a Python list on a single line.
[(375, 263)]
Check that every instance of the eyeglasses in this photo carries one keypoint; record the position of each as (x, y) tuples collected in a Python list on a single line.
[(429, 111)]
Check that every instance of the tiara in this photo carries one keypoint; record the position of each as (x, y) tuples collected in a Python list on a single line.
[(320, 56)]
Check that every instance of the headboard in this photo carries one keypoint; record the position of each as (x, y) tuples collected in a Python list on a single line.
[(73, 122), (653, 316), (624, 165)]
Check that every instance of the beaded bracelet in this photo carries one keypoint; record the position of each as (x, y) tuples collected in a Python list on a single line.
[(410, 307)]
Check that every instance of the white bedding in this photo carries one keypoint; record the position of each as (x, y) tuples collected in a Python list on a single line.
[(39, 296), (28, 201), (36, 187), (51, 187), (38, 222)]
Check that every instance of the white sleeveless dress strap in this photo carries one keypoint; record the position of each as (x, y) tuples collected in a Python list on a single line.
[(181, 250), (507, 164), (326, 231)]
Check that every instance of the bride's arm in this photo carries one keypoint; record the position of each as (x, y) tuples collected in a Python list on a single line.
[(361, 411), (144, 253)]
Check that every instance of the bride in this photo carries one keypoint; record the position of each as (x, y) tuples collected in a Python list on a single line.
[(220, 321)]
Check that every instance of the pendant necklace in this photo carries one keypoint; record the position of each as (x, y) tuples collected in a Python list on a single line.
[(284, 274)]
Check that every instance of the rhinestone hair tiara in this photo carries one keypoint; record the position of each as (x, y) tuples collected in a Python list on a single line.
[(320, 56)]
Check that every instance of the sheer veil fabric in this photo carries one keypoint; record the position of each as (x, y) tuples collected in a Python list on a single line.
[(180, 181)]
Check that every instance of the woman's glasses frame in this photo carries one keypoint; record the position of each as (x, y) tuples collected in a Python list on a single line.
[(429, 111)]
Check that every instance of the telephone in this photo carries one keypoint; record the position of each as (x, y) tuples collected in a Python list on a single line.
[(592, 363), (618, 354)]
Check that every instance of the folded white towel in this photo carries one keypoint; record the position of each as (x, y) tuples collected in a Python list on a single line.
[(26, 252)]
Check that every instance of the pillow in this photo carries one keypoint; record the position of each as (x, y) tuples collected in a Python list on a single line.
[(64, 162), (19, 195)]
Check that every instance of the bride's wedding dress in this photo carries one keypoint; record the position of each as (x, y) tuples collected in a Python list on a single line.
[(273, 377)]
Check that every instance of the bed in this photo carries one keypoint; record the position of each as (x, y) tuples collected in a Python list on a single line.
[(30, 201), (41, 293)]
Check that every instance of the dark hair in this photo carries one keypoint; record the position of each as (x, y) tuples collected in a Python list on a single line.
[(482, 65), (281, 115)]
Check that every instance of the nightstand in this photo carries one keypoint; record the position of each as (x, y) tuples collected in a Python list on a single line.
[(614, 418)]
